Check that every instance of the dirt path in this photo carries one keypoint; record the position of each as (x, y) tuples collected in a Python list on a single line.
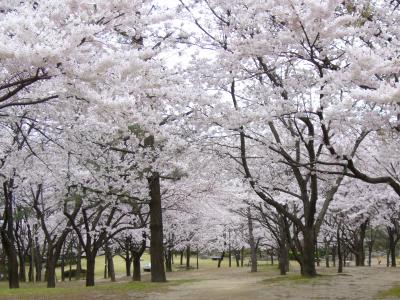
[(239, 284)]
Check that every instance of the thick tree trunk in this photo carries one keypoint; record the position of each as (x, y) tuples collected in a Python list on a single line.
[(90, 265), (128, 264), (7, 235), (156, 231), (283, 248), (308, 257), (392, 247), (136, 268), (22, 270), (252, 243), (51, 271), (188, 257)]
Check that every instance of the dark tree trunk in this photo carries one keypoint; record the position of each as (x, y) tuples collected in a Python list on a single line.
[(156, 230), (359, 252), (181, 260), (90, 265), (308, 257), (7, 235), (31, 272), (221, 259), (339, 252), (128, 260), (187, 257), (392, 246), (110, 263), (242, 257), (38, 261), (136, 268), (51, 271), (105, 273), (252, 243), (197, 258), (283, 248), (237, 257), (327, 254), (22, 270), (168, 260), (334, 255)]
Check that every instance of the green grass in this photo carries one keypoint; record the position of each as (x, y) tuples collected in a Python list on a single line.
[(390, 293), (39, 291)]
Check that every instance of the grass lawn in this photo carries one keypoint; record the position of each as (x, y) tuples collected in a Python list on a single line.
[(390, 293), (77, 290)]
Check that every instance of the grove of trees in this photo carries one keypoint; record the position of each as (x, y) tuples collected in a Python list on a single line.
[(197, 126)]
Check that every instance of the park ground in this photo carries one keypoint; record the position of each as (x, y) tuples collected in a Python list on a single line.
[(211, 283)]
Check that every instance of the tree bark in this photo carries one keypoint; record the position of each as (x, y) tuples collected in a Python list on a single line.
[(156, 230), (308, 257), (90, 265), (136, 268), (7, 235), (252, 243), (339, 252), (187, 256), (110, 263)]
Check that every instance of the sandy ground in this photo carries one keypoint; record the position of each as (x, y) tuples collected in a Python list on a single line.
[(239, 283)]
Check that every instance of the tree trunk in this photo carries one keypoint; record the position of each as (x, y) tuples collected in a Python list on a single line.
[(136, 268), (242, 257), (339, 252), (327, 254), (105, 273), (308, 257), (168, 260), (128, 264), (334, 256), (197, 258), (156, 230), (370, 253), (252, 243), (221, 259), (51, 271), (392, 246), (7, 235), (188, 257), (22, 270), (181, 262), (90, 265), (283, 250), (110, 262)]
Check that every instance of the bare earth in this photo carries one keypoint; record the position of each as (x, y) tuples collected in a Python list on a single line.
[(239, 283)]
